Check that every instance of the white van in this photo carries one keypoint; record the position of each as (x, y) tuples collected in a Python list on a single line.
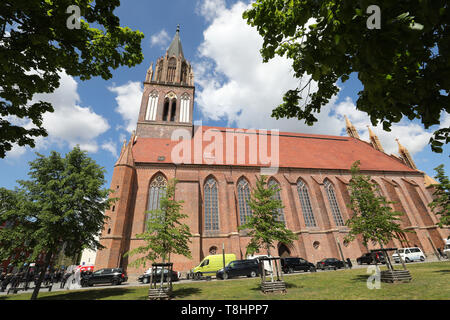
[(409, 255)]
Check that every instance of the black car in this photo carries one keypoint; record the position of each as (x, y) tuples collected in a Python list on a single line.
[(236, 268), (371, 258), (145, 278), (330, 263), (289, 265), (115, 276)]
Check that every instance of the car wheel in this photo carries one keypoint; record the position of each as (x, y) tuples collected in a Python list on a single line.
[(198, 275), (335, 268), (146, 280), (253, 274), (407, 260), (422, 258), (312, 269), (115, 282), (291, 270), (225, 276)]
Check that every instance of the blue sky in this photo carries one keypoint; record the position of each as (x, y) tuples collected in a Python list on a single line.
[(233, 88)]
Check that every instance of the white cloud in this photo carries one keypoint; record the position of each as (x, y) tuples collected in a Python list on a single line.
[(69, 124), (111, 147), (411, 135), (236, 86), (128, 102), (210, 9), (161, 39)]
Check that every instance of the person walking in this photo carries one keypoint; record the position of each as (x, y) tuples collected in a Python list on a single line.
[(349, 263)]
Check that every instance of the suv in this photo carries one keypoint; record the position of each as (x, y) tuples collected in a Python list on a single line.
[(371, 257), (330, 263), (409, 255), (145, 278), (289, 265), (249, 268), (115, 276)]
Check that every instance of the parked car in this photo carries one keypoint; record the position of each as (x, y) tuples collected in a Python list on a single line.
[(409, 255), (249, 268), (446, 251), (330, 263), (267, 264), (289, 265), (115, 276), (145, 278), (371, 258), (210, 265)]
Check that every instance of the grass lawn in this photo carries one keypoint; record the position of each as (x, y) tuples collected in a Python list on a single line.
[(431, 281)]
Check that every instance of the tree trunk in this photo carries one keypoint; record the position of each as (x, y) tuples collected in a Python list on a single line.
[(270, 262), (47, 260)]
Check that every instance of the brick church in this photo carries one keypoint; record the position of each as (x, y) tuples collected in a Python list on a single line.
[(216, 169)]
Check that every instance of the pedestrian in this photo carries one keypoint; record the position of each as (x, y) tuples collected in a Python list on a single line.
[(349, 263)]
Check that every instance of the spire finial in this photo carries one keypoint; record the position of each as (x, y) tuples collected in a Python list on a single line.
[(178, 28)]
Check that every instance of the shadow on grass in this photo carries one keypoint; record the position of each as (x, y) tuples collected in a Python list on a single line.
[(288, 286), (113, 293), (360, 278), (443, 271), (185, 292)]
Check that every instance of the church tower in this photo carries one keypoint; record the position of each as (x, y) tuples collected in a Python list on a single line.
[(168, 99)]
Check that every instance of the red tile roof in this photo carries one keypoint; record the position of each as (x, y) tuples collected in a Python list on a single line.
[(295, 151)]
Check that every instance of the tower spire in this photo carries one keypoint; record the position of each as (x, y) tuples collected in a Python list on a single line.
[(404, 153), (175, 48), (351, 130), (374, 140)]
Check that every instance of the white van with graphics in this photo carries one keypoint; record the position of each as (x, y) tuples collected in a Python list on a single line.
[(409, 255)]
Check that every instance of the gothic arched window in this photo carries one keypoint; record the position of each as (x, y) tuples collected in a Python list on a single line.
[(152, 106), (166, 109), (211, 205), (243, 191), (277, 196), (185, 107), (157, 190), (183, 73), (173, 110), (305, 202), (171, 69), (333, 203)]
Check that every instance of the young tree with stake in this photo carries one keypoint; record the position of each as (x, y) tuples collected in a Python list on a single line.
[(264, 226), (165, 234)]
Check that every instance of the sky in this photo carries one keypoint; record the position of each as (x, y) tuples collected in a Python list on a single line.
[(234, 88)]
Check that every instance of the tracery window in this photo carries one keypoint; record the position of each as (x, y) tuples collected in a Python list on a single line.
[(211, 205), (243, 191), (157, 190), (337, 216), (305, 202), (277, 196)]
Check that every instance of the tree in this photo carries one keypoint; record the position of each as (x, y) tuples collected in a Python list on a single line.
[(37, 41), (441, 203), (372, 218), (264, 226), (165, 234), (62, 203), (403, 66)]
